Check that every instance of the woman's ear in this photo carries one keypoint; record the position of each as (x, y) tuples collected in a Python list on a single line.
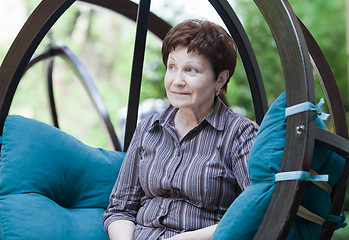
[(222, 79)]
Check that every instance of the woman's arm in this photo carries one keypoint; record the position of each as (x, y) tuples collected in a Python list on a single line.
[(240, 152), (125, 198), (121, 230), (200, 234)]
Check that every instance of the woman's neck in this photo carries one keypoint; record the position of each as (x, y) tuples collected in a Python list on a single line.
[(187, 119)]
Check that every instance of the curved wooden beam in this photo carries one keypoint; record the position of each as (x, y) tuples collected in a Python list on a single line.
[(34, 30), (299, 88), (50, 92), (129, 9), (57, 48), (338, 143), (23, 47), (328, 82), (137, 70), (247, 55)]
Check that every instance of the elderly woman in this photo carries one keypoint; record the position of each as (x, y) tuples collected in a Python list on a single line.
[(186, 165)]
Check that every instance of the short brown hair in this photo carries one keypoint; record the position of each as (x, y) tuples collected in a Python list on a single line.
[(208, 39)]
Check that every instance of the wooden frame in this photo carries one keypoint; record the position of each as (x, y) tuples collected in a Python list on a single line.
[(56, 49), (294, 43)]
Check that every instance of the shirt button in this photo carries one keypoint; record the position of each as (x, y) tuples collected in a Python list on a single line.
[(179, 153)]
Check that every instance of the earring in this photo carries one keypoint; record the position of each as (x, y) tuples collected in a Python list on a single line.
[(218, 92)]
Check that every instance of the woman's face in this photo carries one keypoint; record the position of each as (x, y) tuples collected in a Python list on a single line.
[(190, 80)]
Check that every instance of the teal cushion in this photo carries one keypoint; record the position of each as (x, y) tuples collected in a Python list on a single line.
[(52, 186), (242, 219)]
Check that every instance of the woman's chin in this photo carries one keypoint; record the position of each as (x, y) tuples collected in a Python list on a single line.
[(179, 102)]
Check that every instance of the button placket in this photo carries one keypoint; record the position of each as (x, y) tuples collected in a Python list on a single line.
[(174, 164)]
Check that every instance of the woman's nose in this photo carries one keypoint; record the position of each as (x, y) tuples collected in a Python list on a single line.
[(179, 79)]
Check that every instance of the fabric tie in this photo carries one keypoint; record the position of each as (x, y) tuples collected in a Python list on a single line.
[(308, 106), (340, 220), (300, 176)]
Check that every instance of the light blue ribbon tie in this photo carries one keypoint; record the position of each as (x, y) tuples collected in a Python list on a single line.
[(300, 176), (308, 106), (340, 220), (323, 116)]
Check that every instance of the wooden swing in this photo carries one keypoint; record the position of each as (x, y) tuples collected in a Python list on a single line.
[(291, 37)]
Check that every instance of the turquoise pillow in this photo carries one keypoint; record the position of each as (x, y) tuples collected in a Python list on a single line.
[(52, 186), (242, 219)]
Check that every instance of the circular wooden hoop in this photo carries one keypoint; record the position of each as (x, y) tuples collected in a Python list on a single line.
[(297, 68)]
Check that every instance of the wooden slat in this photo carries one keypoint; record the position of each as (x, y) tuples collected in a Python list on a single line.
[(137, 70), (34, 30), (332, 141), (247, 55), (299, 88), (23, 47), (59, 49), (50, 91), (328, 82), (129, 9), (339, 145), (336, 107)]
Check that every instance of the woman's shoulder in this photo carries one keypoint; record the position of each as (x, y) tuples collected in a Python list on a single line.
[(239, 122), (156, 117), (223, 118)]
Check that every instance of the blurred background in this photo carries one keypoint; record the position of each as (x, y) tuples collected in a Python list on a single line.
[(104, 43)]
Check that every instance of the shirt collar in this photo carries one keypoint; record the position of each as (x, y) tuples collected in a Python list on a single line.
[(165, 117), (215, 118), (217, 115)]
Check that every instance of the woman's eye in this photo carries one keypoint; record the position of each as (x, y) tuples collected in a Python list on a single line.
[(171, 67), (192, 70)]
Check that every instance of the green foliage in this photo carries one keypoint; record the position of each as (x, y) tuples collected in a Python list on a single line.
[(153, 72), (104, 42), (267, 57), (106, 54), (329, 31), (327, 28)]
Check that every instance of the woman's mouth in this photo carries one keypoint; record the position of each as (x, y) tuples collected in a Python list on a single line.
[(180, 93)]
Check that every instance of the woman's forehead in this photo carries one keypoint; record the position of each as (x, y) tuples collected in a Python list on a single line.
[(183, 52)]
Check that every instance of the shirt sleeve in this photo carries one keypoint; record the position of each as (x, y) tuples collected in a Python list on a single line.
[(125, 198), (240, 152)]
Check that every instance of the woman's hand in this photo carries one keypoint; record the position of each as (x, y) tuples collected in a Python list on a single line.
[(121, 230), (200, 234), (183, 236)]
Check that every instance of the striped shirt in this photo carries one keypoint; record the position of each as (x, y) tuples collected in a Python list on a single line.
[(166, 186)]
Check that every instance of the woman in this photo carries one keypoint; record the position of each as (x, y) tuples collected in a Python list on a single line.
[(185, 166)]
